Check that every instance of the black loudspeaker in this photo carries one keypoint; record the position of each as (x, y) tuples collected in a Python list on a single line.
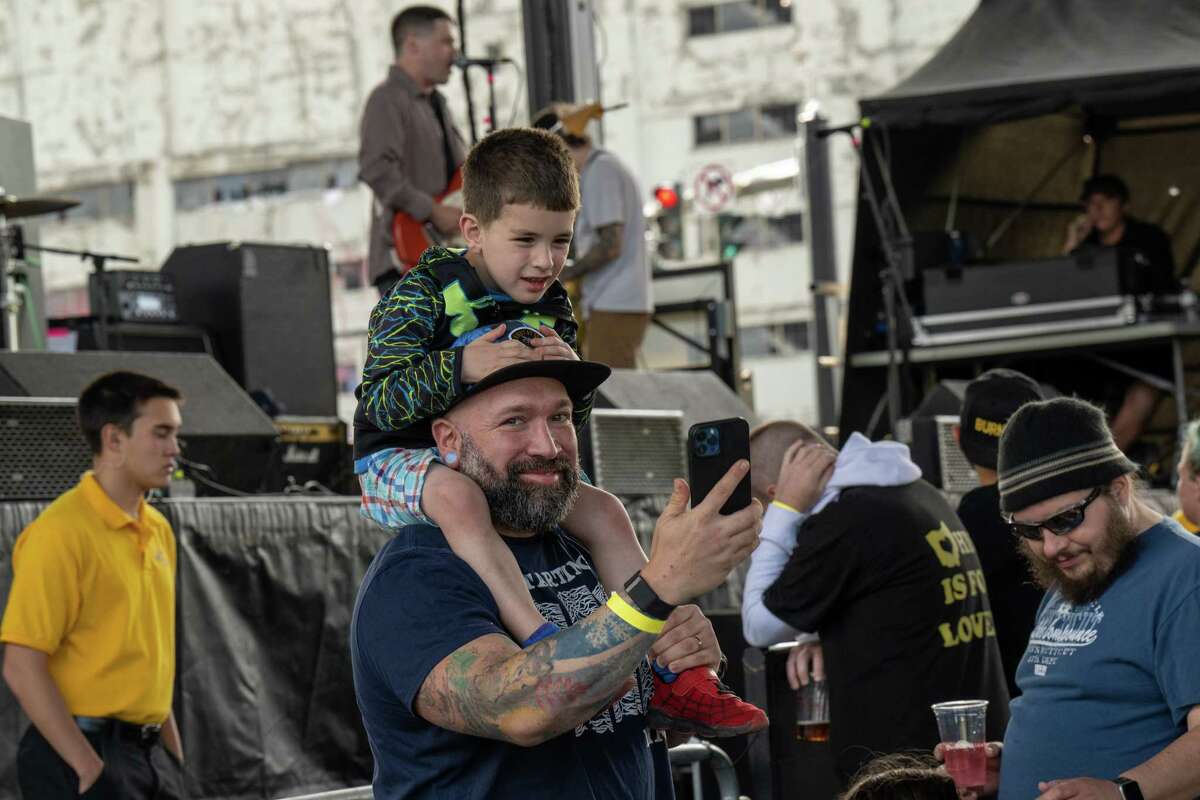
[(311, 449), (267, 307), (222, 427), (147, 337), (779, 760), (931, 442), (43, 453)]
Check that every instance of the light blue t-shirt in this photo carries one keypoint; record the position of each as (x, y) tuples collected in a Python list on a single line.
[(1107, 685)]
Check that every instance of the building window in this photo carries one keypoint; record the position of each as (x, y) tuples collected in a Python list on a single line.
[(742, 15), (774, 121), (780, 339), (338, 173), (107, 201)]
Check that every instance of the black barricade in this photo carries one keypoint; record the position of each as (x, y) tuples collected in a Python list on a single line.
[(263, 693)]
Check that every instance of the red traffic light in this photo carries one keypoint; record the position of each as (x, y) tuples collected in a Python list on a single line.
[(666, 196)]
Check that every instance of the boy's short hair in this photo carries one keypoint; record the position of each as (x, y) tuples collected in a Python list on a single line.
[(519, 165), (901, 777), (116, 399), (415, 20)]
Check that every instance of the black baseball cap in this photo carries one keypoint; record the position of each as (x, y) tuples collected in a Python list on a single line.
[(988, 402), (579, 378)]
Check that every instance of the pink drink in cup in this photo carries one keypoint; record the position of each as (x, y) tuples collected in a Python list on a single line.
[(961, 725)]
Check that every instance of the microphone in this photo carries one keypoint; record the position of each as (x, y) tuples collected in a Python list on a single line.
[(464, 62)]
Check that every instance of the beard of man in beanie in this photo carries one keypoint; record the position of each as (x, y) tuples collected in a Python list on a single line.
[(1103, 559)]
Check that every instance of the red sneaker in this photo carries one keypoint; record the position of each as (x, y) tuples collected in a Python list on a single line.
[(697, 703)]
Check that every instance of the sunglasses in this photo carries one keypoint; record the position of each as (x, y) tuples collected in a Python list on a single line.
[(1060, 524)]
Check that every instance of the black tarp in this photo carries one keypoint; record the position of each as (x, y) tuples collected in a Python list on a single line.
[(263, 694), (1027, 100), (1020, 58)]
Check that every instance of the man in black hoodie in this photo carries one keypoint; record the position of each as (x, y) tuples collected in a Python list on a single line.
[(989, 401)]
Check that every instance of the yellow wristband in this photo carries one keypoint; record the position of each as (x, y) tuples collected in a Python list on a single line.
[(637, 619), (786, 507)]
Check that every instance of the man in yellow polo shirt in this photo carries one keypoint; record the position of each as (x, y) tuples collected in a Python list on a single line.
[(89, 629), (1188, 488)]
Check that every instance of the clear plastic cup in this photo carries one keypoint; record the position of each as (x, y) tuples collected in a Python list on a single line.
[(812, 712), (962, 727)]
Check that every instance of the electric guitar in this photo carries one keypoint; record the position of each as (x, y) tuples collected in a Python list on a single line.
[(412, 236)]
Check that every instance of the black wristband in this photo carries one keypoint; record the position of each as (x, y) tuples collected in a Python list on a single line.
[(1128, 788), (645, 599)]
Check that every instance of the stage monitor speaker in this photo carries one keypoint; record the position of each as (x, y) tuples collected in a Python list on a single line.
[(700, 395), (779, 760), (146, 337), (222, 427), (43, 453), (636, 452), (311, 449), (267, 307)]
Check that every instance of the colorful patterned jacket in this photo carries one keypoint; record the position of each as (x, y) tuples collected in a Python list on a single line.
[(413, 371)]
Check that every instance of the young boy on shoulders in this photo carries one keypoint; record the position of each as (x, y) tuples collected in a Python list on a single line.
[(453, 319)]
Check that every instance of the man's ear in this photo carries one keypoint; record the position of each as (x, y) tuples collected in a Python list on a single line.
[(1121, 489), (471, 230), (448, 440)]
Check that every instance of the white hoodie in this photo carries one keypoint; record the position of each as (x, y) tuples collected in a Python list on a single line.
[(860, 463)]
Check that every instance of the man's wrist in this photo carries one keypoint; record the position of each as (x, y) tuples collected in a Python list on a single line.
[(663, 586), (643, 596)]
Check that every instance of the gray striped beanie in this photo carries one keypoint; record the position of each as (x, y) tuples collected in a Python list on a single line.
[(1054, 447)]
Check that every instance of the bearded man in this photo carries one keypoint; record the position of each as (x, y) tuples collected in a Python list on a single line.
[(1110, 681), (452, 706)]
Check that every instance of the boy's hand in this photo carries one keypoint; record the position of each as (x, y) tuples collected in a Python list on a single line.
[(806, 470), (485, 355), (551, 345)]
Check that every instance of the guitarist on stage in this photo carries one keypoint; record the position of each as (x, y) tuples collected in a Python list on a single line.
[(410, 149)]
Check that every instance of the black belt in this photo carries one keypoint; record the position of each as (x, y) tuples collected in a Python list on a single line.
[(144, 735)]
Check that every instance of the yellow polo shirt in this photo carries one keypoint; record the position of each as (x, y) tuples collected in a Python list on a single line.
[(94, 589), (1187, 524)]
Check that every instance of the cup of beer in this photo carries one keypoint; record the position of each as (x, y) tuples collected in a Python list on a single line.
[(961, 726), (812, 712)]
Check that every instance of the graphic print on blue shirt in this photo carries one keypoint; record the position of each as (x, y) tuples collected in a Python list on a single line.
[(1107, 685), (416, 580)]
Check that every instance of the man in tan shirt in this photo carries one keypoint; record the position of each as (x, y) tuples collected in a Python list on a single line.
[(409, 146)]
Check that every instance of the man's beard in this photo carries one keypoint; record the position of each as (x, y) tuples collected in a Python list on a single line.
[(521, 506), (1107, 557)]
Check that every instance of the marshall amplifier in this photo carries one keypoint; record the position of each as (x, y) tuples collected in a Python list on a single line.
[(988, 301), (132, 296), (310, 449)]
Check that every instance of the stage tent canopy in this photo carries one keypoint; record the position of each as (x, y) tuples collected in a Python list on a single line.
[(996, 133)]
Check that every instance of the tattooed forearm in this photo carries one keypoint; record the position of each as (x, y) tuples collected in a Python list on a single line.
[(606, 250), (489, 689)]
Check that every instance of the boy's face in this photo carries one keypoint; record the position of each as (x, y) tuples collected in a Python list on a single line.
[(522, 252)]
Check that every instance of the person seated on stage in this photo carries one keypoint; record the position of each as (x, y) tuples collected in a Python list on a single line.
[(901, 777), (449, 323), (1150, 270), (1105, 222), (988, 402), (1187, 490)]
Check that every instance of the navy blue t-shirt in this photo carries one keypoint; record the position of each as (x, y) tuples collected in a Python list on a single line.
[(1108, 684), (417, 604)]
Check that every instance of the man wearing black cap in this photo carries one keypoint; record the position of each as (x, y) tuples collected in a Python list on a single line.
[(1110, 704), (452, 706), (988, 402)]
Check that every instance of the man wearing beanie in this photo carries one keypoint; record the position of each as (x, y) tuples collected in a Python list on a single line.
[(988, 402), (1110, 704)]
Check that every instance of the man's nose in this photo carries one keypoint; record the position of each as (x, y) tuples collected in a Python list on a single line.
[(1052, 544), (542, 442)]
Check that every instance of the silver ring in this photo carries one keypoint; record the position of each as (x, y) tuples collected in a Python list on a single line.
[(699, 642)]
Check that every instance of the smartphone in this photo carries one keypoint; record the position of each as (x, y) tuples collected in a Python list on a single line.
[(714, 447)]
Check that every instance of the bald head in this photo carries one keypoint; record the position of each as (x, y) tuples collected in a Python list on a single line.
[(768, 444)]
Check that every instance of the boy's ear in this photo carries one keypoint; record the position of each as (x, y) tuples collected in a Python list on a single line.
[(447, 439), (471, 230)]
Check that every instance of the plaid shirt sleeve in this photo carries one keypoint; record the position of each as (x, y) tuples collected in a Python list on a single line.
[(404, 381)]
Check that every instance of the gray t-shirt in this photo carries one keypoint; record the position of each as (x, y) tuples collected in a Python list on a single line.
[(1109, 684), (610, 195)]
